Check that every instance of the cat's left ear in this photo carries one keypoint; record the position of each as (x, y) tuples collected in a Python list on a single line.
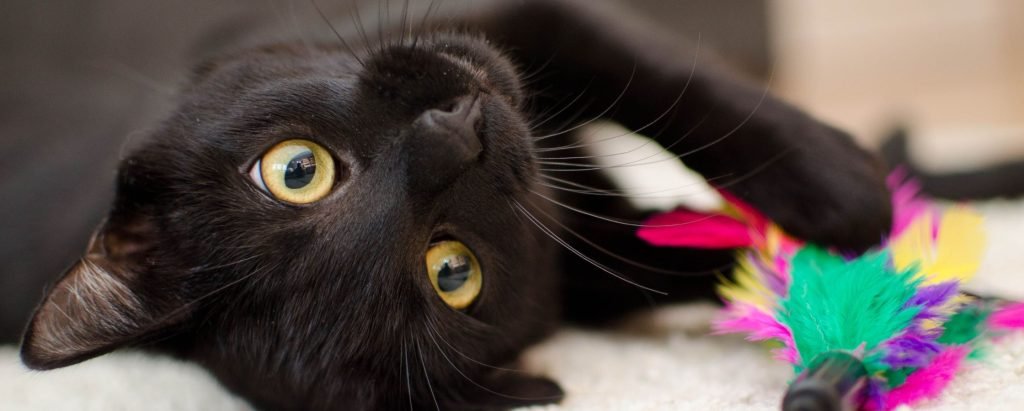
[(104, 301)]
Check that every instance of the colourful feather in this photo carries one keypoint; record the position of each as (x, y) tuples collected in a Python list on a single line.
[(954, 255), (899, 309), (700, 230), (928, 381), (907, 205), (1010, 317), (826, 307)]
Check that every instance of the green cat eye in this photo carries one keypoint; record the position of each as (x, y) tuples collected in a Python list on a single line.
[(295, 171), (454, 273)]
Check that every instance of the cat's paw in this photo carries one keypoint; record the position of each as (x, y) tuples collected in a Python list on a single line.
[(504, 390), (826, 190)]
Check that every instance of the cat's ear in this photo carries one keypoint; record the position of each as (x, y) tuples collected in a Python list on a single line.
[(502, 390), (101, 302)]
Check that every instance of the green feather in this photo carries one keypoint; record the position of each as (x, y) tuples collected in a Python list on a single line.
[(896, 377), (834, 304), (966, 325)]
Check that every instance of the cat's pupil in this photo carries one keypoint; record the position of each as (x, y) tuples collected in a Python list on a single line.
[(454, 273), (300, 170)]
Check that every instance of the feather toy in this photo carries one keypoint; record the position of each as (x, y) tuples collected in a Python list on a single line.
[(870, 332)]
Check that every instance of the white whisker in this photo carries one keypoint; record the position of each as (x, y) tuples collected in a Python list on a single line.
[(516, 205)]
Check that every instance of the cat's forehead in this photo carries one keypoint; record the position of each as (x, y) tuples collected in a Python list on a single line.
[(433, 66), (247, 101)]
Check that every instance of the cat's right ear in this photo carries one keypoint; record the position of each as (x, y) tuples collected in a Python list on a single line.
[(105, 300)]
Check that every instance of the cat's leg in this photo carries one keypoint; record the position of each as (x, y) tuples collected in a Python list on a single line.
[(811, 178)]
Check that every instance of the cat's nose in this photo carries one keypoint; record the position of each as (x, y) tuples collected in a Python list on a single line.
[(445, 142), (456, 122)]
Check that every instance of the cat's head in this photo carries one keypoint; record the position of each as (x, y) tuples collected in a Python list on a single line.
[(319, 229)]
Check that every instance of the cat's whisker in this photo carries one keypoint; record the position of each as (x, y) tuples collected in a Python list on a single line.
[(423, 23), (662, 115), (599, 192), (405, 28), (531, 76), (760, 101), (426, 375), (125, 71), (622, 258), (643, 162), (190, 304), (357, 20), (516, 205), (463, 355), (477, 384), (547, 118), (382, 42), (569, 120), (200, 269), (566, 163), (408, 377), (337, 35), (625, 89), (638, 147), (590, 190), (609, 219)]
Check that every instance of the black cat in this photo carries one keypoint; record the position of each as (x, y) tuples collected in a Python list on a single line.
[(372, 222)]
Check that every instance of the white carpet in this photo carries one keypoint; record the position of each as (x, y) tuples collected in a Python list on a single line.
[(661, 361)]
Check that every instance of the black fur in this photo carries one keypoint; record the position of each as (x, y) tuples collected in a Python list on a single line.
[(326, 305)]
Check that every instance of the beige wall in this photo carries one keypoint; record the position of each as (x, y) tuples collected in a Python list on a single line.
[(953, 68)]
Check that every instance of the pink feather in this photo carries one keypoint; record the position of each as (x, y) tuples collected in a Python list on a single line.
[(928, 382), (759, 326), (906, 202), (753, 218), (1010, 317), (685, 228)]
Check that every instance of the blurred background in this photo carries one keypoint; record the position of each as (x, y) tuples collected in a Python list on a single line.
[(951, 71)]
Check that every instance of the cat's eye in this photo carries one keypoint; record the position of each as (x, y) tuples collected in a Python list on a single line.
[(454, 272), (295, 171)]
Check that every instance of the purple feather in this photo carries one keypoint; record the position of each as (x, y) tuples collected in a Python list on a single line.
[(875, 393), (916, 347), (912, 348), (931, 297), (771, 278)]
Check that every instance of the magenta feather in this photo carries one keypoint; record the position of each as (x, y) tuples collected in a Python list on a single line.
[(907, 204), (759, 326), (929, 381), (1010, 317), (685, 228)]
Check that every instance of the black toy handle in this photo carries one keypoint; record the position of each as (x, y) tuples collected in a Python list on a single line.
[(834, 382)]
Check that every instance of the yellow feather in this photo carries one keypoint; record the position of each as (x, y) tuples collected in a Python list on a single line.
[(914, 245), (747, 288), (961, 246), (954, 255)]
